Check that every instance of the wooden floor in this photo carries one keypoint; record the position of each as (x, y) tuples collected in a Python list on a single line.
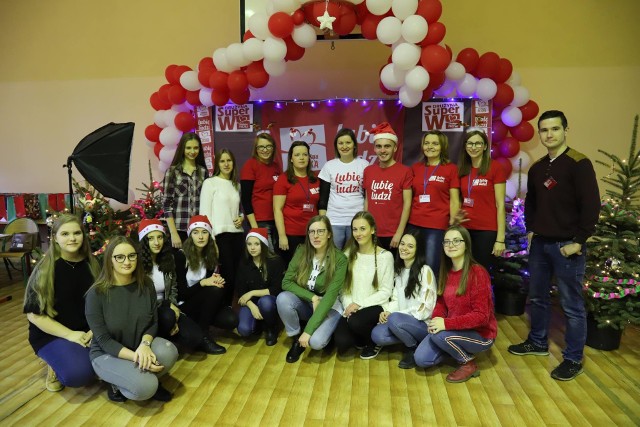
[(252, 385)]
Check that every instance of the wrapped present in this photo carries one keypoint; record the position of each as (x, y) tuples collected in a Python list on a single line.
[(11, 209), (42, 198), (32, 206), (18, 201), (3, 208)]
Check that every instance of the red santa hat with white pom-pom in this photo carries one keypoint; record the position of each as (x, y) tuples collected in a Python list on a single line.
[(384, 130)]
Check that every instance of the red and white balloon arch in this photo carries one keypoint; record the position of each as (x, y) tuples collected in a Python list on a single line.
[(420, 66)]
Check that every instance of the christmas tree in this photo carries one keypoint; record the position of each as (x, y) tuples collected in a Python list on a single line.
[(510, 270), (613, 253), (150, 206)]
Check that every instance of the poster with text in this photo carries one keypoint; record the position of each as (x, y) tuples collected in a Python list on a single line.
[(234, 118), (204, 129)]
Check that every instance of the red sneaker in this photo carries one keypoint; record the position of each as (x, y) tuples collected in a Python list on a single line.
[(464, 372)]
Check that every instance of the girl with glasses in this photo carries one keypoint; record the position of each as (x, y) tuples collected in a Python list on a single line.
[(367, 287), (257, 178), (483, 186), (310, 290), (462, 323), (121, 310), (54, 303)]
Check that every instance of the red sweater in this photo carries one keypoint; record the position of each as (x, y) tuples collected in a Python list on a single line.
[(474, 309)]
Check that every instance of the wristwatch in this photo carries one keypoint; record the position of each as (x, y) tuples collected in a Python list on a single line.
[(146, 342)]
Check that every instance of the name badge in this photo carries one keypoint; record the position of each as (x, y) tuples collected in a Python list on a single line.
[(550, 183), (467, 202), (307, 207), (425, 198)]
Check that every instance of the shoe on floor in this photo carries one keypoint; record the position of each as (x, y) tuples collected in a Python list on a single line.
[(162, 394), (408, 361), (370, 351), (293, 355), (464, 372), (567, 370), (114, 394), (52, 382), (209, 346), (528, 347), (271, 336)]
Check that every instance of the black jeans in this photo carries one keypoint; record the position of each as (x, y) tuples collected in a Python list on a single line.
[(356, 330)]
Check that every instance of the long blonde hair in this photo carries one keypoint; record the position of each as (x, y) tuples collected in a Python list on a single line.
[(41, 281)]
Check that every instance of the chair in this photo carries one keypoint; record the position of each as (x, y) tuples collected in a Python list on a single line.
[(20, 225)]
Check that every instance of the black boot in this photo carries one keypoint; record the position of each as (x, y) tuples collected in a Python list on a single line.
[(293, 355), (271, 335), (114, 394), (211, 347), (408, 361), (162, 394)]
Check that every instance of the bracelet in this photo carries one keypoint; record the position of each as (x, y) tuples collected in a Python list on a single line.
[(498, 241)]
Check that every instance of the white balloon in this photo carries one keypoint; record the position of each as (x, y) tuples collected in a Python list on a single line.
[(520, 96), (515, 161), (406, 56), (274, 49), (185, 107), (378, 7), (163, 166), (404, 8), (409, 98), (158, 118), (518, 183), (511, 116), (235, 55), (169, 117), (455, 71), (486, 89), (389, 30), (252, 49), (288, 6), (170, 136), (166, 154), (392, 77), (259, 25), (304, 35), (417, 79), (355, 1), (511, 189), (274, 68), (205, 97), (515, 79), (447, 88), (189, 80), (220, 60), (467, 86), (414, 28)]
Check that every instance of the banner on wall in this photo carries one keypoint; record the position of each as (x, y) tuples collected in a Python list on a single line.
[(317, 123), (234, 118), (204, 130), (449, 116)]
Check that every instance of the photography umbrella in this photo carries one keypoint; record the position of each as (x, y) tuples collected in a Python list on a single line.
[(103, 158)]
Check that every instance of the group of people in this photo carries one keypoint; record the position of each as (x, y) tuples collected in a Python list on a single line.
[(361, 256)]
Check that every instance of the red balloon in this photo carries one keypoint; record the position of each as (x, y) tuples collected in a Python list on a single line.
[(256, 75), (430, 10), (298, 17), (247, 35), (156, 149), (386, 91), (509, 147), (436, 33), (177, 94), (220, 97), (506, 165), (495, 150), (218, 81), (504, 95), (178, 71), (498, 130), (240, 97), (163, 93), (469, 59), (314, 9), (427, 94), (193, 97), (434, 58), (529, 110), (487, 65), (184, 122), (158, 103), (237, 81), (504, 71), (152, 133), (204, 76), (294, 52), (345, 21), (362, 12), (369, 26), (523, 131), (280, 24), (435, 81), (206, 63), (496, 111), (168, 73)]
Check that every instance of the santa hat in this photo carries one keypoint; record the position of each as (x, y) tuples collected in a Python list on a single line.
[(260, 234), (384, 130), (199, 221), (147, 226)]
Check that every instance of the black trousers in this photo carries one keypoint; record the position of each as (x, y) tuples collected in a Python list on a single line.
[(207, 308), (482, 246), (356, 330), (189, 334), (231, 248)]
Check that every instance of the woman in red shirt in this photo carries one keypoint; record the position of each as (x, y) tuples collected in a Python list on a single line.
[(462, 323), (295, 199)]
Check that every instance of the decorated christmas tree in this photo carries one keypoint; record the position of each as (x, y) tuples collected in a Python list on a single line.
[(150, 205), (613, 253), (510, 270)]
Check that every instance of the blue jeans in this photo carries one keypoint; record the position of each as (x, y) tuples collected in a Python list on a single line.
[(461, 345), (292, 309), (400, 327), (546, 260), (267, 306), (70, 362), (341, 234)]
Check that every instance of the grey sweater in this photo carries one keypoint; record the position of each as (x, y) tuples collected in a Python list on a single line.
[(119, 318)]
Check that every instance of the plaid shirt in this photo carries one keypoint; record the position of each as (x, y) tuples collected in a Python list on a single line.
[(182, 194)]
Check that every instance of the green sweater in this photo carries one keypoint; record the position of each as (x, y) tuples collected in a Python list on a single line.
[(328, 291)]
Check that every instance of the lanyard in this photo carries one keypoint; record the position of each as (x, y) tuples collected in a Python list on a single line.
[(469, 184), (425, 182), (306, 192)]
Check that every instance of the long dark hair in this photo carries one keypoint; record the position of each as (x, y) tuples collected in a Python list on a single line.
[(447, 264), (265, 255), (106, 280), (164, 259), (348, 132), (178, 158), (419, 261), (352, 248), (308, 252), (208, 256), (291, 176), (464, 163), (234, 171)]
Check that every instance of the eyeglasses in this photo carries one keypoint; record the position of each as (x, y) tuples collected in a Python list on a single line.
[(319, 232), (453, 243), (120, 258), (476, 144), (264, 147)]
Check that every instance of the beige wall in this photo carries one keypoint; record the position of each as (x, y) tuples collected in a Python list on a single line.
[(70, 66)]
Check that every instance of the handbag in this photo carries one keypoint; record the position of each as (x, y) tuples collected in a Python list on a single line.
[(23, 242)]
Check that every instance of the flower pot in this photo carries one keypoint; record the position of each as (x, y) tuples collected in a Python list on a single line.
[(510, 303), (606, 338)]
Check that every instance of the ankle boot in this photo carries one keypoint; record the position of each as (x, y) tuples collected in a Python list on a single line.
[(209, 346), (295, 352), (464, 372)]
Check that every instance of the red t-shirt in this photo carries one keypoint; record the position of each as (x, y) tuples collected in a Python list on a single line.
[(297, 195), (264, 177), (431, 197), (384, 187), (484, 214)]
